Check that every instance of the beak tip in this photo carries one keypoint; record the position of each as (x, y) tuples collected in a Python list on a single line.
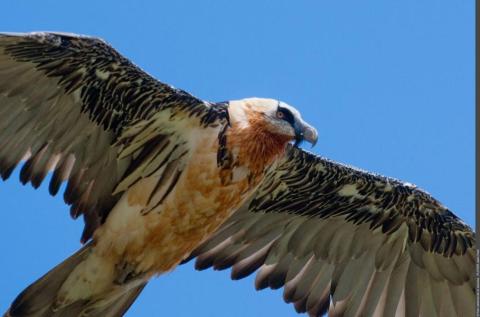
[(313, 137), (305, 132)]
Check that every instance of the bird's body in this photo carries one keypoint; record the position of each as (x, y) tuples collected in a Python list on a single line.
[(204, 196), (162, 177), (154, 225)]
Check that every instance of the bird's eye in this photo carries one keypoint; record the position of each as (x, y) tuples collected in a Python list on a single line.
[(285, 114)]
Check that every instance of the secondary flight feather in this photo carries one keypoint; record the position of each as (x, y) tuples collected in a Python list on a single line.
[(161, 177)]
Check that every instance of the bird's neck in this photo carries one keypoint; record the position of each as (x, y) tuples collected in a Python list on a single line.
[(253, 145)]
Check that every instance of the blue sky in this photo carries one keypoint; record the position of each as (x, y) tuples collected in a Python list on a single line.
[(388, 84)]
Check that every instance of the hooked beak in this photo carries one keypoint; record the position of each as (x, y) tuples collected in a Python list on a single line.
[(304, 132)]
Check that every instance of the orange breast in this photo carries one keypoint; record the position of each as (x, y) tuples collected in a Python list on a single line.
[(192, 212)]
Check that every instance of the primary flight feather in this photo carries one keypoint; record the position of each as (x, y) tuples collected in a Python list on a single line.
[(161, 177)]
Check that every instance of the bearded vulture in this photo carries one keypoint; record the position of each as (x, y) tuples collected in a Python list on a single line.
[(162, 177)]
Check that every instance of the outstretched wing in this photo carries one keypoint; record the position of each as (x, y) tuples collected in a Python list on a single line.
[(348, 242), (73, 105)]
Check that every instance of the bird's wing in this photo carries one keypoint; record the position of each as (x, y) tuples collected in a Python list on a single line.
[(73, 105), (347, 241)]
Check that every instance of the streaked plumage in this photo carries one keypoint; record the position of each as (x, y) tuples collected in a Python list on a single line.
[(162, 177)]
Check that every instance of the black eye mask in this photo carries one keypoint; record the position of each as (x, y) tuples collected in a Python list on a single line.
[(287, 115)]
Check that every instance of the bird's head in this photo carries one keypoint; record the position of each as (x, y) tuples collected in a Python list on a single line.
[(275, 118)]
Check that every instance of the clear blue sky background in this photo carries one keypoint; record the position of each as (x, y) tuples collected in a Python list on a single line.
[(388, 84)]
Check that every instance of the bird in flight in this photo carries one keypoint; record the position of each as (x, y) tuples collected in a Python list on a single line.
[(162, 177)]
